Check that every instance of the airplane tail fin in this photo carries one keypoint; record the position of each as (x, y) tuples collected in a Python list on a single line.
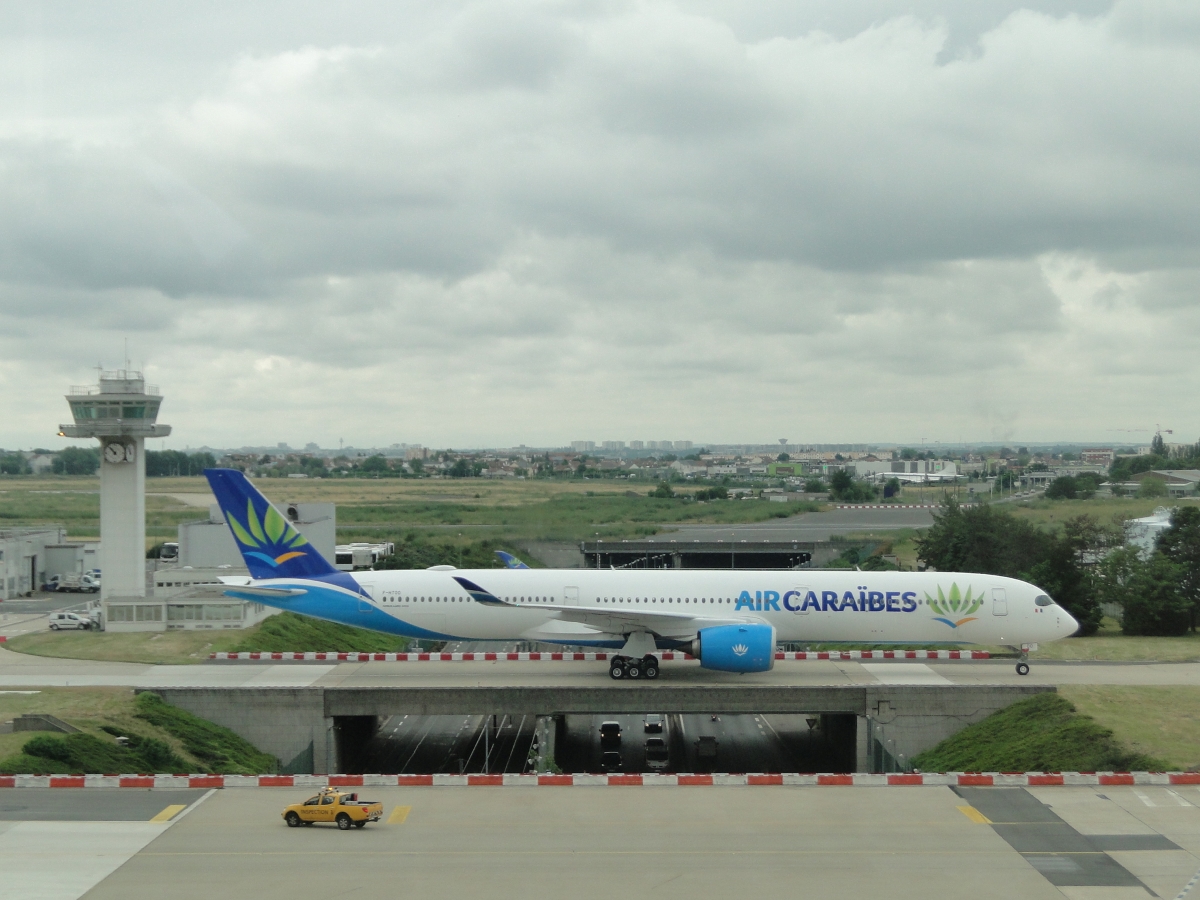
[(510, 561), (270, 544)]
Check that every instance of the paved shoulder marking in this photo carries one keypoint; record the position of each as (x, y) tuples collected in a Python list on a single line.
[(904, 673), (169, 813), (974, 815), (399, 814)]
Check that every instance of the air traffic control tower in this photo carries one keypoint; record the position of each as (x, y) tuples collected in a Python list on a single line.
[(121, 413)]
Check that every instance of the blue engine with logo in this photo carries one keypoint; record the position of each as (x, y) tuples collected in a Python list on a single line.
[(736, 648)]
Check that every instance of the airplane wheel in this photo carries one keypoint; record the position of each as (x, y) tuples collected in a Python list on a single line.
[(616, 671), (1022, 668), (634, 670), (650, 667)]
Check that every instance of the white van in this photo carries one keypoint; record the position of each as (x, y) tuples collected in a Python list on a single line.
[(64, 620)]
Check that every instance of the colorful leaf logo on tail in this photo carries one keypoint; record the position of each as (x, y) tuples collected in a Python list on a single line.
[(273, 539), (957, 608)]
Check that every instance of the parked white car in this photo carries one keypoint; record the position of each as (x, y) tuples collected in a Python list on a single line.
[(61, 621)]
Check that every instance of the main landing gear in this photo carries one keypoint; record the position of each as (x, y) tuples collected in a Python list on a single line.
[(623, 667)]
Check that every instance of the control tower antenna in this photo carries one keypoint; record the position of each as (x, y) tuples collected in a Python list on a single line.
[(121, 412)]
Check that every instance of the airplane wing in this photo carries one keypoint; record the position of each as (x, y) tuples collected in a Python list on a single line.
[(240, 591), (611, 621)]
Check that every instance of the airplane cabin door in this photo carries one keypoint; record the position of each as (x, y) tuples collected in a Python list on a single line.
[(999, 602), (364, 605), (571, 596)]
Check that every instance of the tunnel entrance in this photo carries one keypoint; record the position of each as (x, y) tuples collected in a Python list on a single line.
[(442, 745), (709, 743), (648, 742)]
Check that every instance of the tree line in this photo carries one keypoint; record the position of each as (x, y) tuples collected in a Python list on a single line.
[(1082, 567)]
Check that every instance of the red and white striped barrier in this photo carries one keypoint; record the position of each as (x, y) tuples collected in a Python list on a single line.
[(2, 639), (888, 506), (945, 779), (554, 656)]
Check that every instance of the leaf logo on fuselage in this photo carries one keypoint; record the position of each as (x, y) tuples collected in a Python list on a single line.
[(956, 608), (271, 539)]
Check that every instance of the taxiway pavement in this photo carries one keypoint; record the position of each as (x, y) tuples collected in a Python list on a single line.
[(977, 844)]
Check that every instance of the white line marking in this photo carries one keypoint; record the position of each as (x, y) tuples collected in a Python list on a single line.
[(1144, 798), (1178, 798)]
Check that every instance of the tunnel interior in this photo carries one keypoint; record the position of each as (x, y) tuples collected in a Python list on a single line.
[(648, 742)]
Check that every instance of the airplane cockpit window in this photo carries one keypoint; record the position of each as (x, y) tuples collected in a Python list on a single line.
[(1043, 600)]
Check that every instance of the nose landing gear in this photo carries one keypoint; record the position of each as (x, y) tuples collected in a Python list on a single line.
[(623, 667), (1022, 668)]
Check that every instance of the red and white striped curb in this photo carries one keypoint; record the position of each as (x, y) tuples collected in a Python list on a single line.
[(951, 779), (888, 506), (591, 657)]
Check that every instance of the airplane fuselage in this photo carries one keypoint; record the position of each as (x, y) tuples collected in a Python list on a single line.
[(801, 605)]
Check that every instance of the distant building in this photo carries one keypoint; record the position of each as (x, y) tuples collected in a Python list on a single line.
[(1180, 482), (40, 463), (614, 445), (637, 445), (683, 445), (29, 556), (1143, 533), (207, 543), (1098, 456), (583, 446)]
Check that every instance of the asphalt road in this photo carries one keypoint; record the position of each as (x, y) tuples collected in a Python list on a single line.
[(448, 745), (1078, 843), (807, 527)]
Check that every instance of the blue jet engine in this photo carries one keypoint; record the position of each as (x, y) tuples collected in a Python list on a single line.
[(736, 648)]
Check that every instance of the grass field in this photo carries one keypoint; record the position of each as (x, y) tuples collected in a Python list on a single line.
[(283, 632), (1044, 733), (85, 708), (368, 509), (1162, 722), (1106, 510), (199, 745)]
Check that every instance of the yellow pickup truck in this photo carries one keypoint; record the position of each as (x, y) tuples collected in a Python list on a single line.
[(342, 809)]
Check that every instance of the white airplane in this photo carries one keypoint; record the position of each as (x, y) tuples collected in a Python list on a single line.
[(728, 620)]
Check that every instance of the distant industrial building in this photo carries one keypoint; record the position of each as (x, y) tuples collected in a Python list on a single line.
[(29, 557), (1180, 482), (207, 543), (207, 553), (886, 468)]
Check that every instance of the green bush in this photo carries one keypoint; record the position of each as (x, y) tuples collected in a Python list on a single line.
[(289, 631), (1041, 734), (86, 754), (1149, 591), (216, 747)]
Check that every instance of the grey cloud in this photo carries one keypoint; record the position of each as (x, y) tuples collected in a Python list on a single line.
[(488, 223)]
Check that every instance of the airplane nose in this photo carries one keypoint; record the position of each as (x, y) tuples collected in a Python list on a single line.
[(1067, 624)]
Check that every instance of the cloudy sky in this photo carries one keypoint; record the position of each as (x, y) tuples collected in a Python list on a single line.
[(486, 223)]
